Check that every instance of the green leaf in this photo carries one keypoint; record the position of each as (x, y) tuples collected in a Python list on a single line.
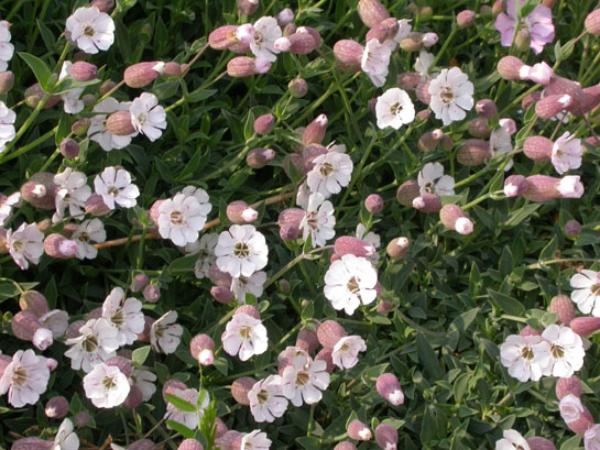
[(182, 265), (181, 429), (519, 215), (180, 404), (139, 355), (200, 94), (428, 358), (573, 443), (464, 321), (8, 290), (506, 303), (42, 72)]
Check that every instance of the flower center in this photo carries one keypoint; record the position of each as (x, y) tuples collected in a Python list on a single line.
[(326, 169), (18, 246), (241, 250), (527, 353), (89, 31), (118, 318), (429, 187), (113, 191), (353, 286), (344, 348), (245, 332), (176, 218), (302, 378), (19, 377), (396, 108), (84, 237), (108, 382), (447, 95), (258, 38), (595, 289), (90, 344), (262, 396), (557, 351), (312, 220)]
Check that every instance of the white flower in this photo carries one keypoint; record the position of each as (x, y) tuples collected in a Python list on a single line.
[(302, 195), (501, 144), (165, 334), (7, 50), (404, 29), (375, 61), (319, 221), (571, 408), (431, 180), (255, 440), (304, 380), (241, 251), (7, 125), (345, 351), (147, 116), (566, 351), (7, 205), (106, 386), (91, 29), (349, 282), (98, 341), (125, 314), (567, 152), (189, 419), (145, 382), (267, 401), (72, 192), (331, 172), (204, 248), (525, 357), (591, 438), (423, 62), (72, 102), (253, 284), (244, 336), (586, 293), (25, 245), (66, 438), (512, 440), (451, 95), (97, 131), (87, 233), (262, 44), (182, 217), (394, 108), (115, 187), (25, 378)]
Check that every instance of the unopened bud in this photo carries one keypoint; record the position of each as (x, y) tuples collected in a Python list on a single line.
[(239, 212), (83, 71), (314, 133), (24, 324), (202, 349), (454, 218), (515, 186), (59, 247), (329, 333), (383, 31), (105, 6), (473, 152), (223, 37), (510, 67), (540, 443), (307, 340), (409, 81), (96, 207), (407, 192), (80, 127), (151, 293), (249, 310), (386, 436), (285, 17), (221, 294), (550, 106), (398, 248), (301, 43), (240, 388), (260, 157), (173, 69), (585, 326), (538, 148), (427, 203), (190, 444), (57, 407), (413, 42), (69, 148), (350, 245), (139, 282), (465, 18), (374, 204), (242, 66), (35, 302), (264, 124), (298, 87), (572, 228), (592, 22), (486, 108), (345, 445), (568, 386), (142, 74), (247, 7), (372, 12), (562, 306), (40, 191), (358, 431), (348, 54), (479, 128), (7, 81), (120, 124)]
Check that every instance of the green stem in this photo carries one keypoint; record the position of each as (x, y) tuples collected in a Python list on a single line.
[(32, 145)]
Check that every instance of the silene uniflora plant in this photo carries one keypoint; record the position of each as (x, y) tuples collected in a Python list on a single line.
[(252, 225)]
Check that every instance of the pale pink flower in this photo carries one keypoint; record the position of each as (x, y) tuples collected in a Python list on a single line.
[(345, 351), (538, 24), (125, 314), (304, 380), (115, 187), (106, 386), (25, 378), (25, 245), (90, 29), (451, 95), (375, 61), (244, 336), (267, 401), (567, 152)]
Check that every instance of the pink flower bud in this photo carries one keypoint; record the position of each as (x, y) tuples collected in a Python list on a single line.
[(576, 416), (592, 22), (349, 245), (422, 91), (125, 365), (7, 81), (325, 355), (510, 68), (134, 399), (409, 80), (190, 444), (35, 93), (329, 333), (285, 16), (413, 42), (565, 87), (289, 29), (298, 87), (427, 203), (139, 282), (301, 43), (540, 443), (386, 436), (479, 128), (454, 218), (585, 326), (35, 302), (568, 386), (143, 444), (348, 53), (473, 152), (358, 431), (309, 153), (289, 223), (202, 349), (40, 191), (151, 293), (430, 39), (142, 74), (388, 387), (69, 148), (572, 228), (249, 310), (230, 440), (540, 73), (57, 407), (82, 419), (32, 443), (486, 108), (221, 294), (283, 44), (515, 186), (173, 69), (374, 204), (529, 331), (120, 124), (314, 133), (242, 66), (83, 71), (240, 388), (383, 31), (105, 6), (24, 324), (95, 206), (42, 338), (239, 212), (407, 192), (384, 307), (398, 248), (59, 247), (542, 188), (372, 12), (552, 105), (538, 148), (562, 306), (307, 340), (345, 445), (264, 124), (247, 7), (223, 37), (465, 18), (4, 362), (259, 157)]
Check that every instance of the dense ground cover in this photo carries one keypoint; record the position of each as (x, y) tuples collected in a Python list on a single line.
[(427, 295)]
